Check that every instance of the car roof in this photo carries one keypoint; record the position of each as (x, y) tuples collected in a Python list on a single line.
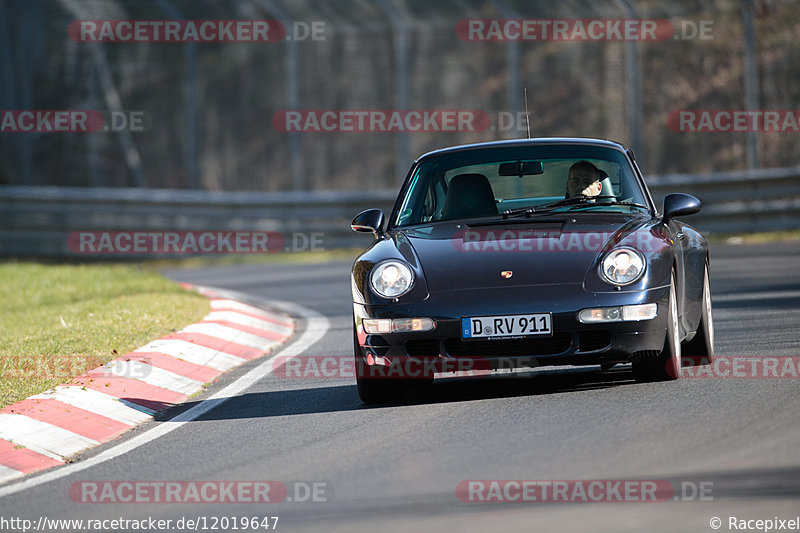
[(539, 141)]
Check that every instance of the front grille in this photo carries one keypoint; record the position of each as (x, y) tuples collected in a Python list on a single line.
[(423, 348), (590, 341), (509, 348)]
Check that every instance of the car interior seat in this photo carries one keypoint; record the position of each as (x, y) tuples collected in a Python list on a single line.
[(469, 195)]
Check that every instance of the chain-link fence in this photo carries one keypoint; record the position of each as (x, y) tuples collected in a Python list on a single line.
[(212, 110)]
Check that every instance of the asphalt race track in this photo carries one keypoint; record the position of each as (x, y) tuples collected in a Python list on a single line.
[(396, 468)]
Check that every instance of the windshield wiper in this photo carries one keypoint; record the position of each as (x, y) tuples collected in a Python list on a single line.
[(546, 208), (580, 199), (593, 204)]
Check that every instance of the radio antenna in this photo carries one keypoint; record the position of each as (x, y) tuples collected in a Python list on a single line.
[(527, 114)]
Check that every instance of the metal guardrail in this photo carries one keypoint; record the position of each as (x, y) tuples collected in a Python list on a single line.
[(35, 221), (738, 202)]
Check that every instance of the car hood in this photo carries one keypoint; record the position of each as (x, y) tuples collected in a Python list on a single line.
[(542, 252)]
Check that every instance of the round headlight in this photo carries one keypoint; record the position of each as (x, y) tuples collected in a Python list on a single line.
[(622, 266), (391, 279)]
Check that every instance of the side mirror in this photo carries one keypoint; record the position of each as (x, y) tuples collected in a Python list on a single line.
[(679, 204), (369, 221)]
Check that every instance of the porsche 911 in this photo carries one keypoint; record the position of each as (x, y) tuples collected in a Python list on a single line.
[(528, 253)]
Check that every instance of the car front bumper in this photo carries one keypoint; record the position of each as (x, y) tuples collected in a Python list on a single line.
[(571, 342)]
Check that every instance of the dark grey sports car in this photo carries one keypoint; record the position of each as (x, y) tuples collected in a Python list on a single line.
[(526, 253)]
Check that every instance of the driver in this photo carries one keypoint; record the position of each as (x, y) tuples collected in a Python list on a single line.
[(584, 179)]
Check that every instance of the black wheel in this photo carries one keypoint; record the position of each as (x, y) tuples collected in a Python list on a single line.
[(701, 346), (667, 364), (380, 388), (372, 390)]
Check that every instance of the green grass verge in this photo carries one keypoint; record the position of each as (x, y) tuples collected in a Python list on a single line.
[(59, 321)]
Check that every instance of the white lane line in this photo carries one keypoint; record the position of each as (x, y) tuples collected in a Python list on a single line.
[(231, 335), (7, 474), (95, 402), (221, 303), (247, 320), (199, 355), (152, 375), (41, 437), (316, 327)]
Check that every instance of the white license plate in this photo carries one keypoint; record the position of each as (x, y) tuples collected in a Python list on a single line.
[(506, 326)]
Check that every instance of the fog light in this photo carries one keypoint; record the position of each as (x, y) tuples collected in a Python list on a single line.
[(398, 325), (604, 314)]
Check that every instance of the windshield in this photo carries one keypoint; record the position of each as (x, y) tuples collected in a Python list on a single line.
[(496, 181)]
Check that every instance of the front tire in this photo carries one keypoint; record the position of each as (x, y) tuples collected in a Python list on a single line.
[(667, 364), (379, 389), (372, 390), (702, 345)]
